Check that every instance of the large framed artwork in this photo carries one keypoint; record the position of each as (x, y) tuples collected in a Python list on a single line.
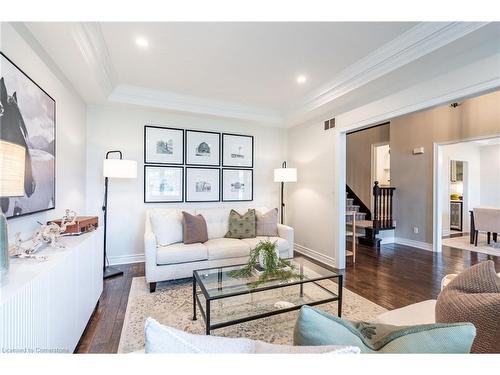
[(163, 145), (202, 184), (163, 184), (202, 148), (28, 118), (237, 185), (237, 150)]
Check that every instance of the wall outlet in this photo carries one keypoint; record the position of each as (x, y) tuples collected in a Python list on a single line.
[(415, 230)]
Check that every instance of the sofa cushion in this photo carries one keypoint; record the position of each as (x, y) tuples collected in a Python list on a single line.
[(474, 296), (281, 243), (241, 226), (164, 339), (217, 221), (167, 226), (417, 313), (194, 228), (315, 327), (267, 223), (223, 248), (181, 253)]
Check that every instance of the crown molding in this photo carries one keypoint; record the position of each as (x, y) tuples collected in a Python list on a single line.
[(129, 94), (419, 41), (90, 41), (29, 38)]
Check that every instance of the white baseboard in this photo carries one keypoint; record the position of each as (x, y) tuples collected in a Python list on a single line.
[(413, 243), (314, 255), (126, 259), (387, 240)]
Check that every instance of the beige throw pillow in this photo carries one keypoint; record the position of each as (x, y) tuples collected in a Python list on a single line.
[(267, 223), (194, 228)]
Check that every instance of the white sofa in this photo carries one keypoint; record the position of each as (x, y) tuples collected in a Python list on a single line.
[(179, 260)]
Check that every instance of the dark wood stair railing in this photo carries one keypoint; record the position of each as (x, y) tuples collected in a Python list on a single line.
[(383, 207), (358, 202)]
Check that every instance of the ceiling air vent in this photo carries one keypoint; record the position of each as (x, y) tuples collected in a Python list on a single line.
[(330, 123)]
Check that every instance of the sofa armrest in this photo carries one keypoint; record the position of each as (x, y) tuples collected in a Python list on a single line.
[(287, 233), (150, 247)]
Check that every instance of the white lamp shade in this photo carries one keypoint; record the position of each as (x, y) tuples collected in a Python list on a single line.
[(119, 168), (285, 175), (12, 158)]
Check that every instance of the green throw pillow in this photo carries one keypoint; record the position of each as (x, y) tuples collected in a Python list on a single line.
[(241, 226), (314, 327)]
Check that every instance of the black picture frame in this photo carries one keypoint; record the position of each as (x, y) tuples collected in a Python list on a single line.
[(146, 166), (146, 161), (224, 146), (186, 140), (54, 170), (249, 170), (186, 185)]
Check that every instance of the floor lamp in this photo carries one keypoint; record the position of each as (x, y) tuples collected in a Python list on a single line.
[(114, 168), (283, 175), (12, 159)]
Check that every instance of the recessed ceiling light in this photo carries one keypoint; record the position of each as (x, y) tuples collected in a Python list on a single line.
[(301, 79), (142, 42)]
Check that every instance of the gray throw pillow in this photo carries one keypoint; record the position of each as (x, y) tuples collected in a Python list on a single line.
[(194, 228), (241, 226), (267, 223)]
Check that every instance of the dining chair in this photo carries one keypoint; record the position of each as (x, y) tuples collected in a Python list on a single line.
[(486, 220)]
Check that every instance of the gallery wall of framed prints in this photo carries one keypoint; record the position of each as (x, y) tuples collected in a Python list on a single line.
[(183, 165)]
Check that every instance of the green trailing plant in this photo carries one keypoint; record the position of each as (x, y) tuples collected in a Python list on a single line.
[(275, 268)]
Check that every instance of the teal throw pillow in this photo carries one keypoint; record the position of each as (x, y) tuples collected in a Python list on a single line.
[(315, 327)]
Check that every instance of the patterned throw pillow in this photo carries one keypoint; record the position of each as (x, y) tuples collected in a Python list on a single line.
[(315, 327), (267, 223), (241, 226)]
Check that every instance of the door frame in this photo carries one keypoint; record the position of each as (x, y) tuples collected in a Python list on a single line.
[(339, 146), (374, 165), (437, 204)]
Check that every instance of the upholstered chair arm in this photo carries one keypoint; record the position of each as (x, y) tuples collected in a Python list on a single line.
[(150, 248), (286, 232)]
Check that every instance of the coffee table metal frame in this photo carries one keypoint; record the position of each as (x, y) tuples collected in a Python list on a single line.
[(205, 310)]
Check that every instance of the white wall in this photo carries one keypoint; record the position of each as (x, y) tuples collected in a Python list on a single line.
[(70, 127), (117, 127), (490, 176), (469, 153), (310, 200)]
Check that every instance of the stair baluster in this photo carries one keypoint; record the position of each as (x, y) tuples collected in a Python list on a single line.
[(383, 206)]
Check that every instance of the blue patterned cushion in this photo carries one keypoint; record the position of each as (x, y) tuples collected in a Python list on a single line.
[(314, 327)]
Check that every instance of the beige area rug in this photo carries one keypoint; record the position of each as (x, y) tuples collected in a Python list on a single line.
[(172, 305), (482, 245)]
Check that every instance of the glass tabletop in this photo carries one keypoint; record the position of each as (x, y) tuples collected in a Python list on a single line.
[(218, 282)]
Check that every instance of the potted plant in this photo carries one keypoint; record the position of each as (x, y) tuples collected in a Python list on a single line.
[(266, 254)]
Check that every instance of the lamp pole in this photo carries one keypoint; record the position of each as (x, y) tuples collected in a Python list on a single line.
[(107, 270), (283, 165)]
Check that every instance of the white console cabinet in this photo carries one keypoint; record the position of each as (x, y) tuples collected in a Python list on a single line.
[(45, 306)]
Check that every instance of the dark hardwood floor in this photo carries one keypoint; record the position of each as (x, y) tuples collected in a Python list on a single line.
[(393, 277)]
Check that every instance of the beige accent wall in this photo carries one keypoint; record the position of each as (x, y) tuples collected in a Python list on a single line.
[(412, 175), (359, 156)]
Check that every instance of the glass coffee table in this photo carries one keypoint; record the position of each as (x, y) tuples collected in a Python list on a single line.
[(225, 300)]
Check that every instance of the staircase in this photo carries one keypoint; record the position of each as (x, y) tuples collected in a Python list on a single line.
[(350, 207), (368, 226)]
